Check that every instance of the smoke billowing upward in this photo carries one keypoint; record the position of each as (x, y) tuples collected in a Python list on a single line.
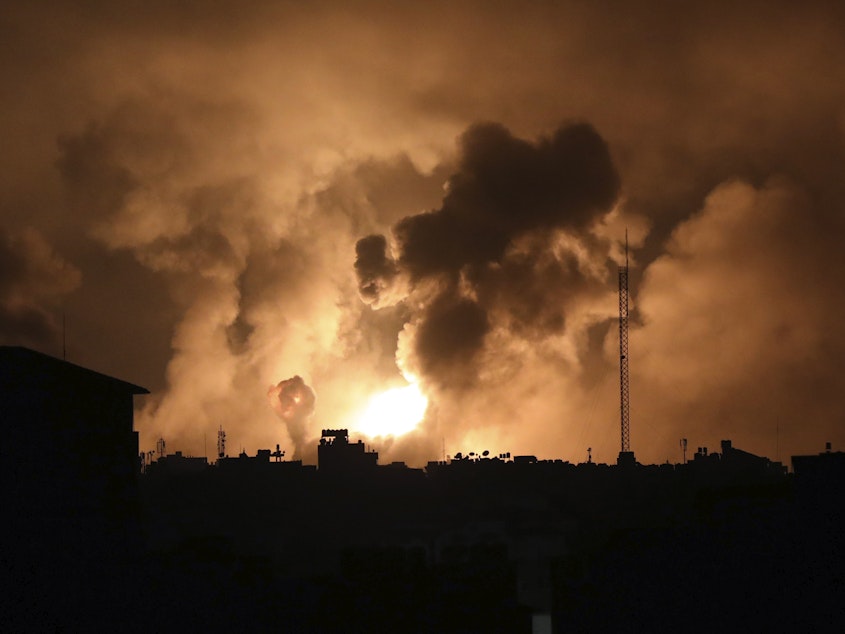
[(485, 257), (450, 333), (376, 270), (294, 402), (505, 187)]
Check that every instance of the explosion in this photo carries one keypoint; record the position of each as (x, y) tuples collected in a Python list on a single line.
[(394, 412), (294, 402)]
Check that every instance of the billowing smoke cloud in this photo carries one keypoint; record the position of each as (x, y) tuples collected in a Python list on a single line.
[(488, 254), (752, 354), (504, 188), (450, 332), (376, 270), (294, 402)]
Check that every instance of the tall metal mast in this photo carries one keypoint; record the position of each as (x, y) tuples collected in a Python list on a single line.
[(624, 390)]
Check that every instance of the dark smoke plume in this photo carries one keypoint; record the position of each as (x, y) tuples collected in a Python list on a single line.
[(506, 187), (375, 269), (449, 336), (506, 191)]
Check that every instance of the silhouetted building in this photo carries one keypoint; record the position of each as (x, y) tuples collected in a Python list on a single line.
[(177, 464), (69, 447), (69, 465), (822, 475), (260, 464), (504, 544), (336, 454)]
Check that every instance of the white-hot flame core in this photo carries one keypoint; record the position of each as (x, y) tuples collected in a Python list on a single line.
[(393, 412)]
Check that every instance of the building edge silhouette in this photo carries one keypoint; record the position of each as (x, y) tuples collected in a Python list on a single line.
[(70, 489)]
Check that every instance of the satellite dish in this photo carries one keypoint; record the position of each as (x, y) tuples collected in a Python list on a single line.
[(486, 453)]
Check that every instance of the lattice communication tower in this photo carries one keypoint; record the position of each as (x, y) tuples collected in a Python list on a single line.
[(624, 389)]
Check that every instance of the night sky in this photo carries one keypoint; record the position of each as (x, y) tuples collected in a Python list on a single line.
[(322, 201)]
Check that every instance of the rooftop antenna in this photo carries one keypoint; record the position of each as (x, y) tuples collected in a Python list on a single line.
[(161, 446), (626, 456), (64, 337), (221, 442), (684, 449), (278, 454)]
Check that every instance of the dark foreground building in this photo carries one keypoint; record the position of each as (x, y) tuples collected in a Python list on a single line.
[(69, 463)]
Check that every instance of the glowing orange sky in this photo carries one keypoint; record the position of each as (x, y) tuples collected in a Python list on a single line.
[(188, 184)]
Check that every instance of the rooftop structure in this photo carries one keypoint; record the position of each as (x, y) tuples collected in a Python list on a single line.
[(336, 454)]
